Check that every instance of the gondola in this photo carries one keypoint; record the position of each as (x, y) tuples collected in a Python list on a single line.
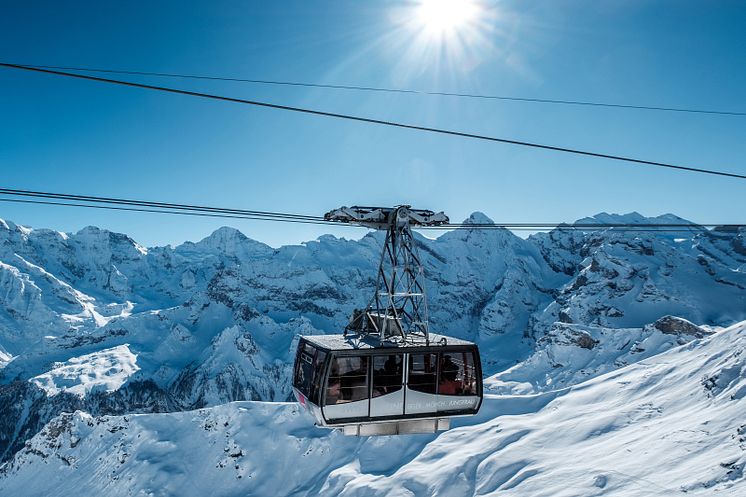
[(365, 389), (387, 374)]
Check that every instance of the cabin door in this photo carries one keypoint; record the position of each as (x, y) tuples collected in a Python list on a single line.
[(387, 392), (421, 388)]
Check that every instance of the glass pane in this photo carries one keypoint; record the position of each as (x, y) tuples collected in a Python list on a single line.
[(304, 368), (422, 372), (318, 372), (457, 374), (387, 374), (470, 377), (348, 380)]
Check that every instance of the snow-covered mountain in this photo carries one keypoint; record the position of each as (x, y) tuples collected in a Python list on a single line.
[(93, 321), (672, 424)]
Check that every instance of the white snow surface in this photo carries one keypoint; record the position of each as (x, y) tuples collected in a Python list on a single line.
[(105, 370), (672, 424), (5, 358), (559, 361)]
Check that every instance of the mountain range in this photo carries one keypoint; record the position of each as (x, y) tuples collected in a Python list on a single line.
[(98, 332)]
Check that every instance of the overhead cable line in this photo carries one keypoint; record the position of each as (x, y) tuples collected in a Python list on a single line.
[(161, 205), (166, 211), (383, 122), (393, 90), (560, 227), (118, 204), (586, 225)]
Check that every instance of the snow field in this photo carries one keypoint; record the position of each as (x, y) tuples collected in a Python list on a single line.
[(105, 370), (671, 424)]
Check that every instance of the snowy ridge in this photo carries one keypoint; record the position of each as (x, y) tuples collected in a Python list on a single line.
[(571, 353), (667, 425), (105, 370)]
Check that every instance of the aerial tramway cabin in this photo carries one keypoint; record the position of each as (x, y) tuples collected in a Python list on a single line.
[(387, 374), (356, 384)]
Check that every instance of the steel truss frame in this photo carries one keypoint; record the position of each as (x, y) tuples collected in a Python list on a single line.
[(398, 309)]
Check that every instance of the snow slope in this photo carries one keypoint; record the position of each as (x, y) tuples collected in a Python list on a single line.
[(672, 424), (105, 370), (570, 353)]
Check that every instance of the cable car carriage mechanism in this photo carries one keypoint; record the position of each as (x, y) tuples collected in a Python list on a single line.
[(387, 374)]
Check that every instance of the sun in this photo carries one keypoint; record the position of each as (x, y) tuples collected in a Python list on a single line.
[(443, 37), (445, 16)]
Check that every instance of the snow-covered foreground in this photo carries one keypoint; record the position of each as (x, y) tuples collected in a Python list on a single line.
[(671, 424)]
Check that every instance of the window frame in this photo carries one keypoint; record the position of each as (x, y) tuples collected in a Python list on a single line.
[(332, 357), (410, 363), (373, 376), (467, 365), (299, 364)]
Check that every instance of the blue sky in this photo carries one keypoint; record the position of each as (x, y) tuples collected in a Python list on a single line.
[(82, 137)]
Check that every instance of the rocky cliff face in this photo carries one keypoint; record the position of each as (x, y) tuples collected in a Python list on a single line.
[(215, 321)]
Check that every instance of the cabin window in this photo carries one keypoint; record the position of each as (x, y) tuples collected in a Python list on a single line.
[(348, 380), (387, 374), (457, 374), (304, 368), (423, 372), (318, 373)]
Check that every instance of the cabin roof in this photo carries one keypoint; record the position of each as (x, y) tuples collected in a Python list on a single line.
[(354, 342)]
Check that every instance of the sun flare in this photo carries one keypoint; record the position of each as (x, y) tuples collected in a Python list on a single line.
[(444, 16), (443, 36)]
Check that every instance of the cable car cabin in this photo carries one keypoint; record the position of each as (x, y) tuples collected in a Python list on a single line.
[(355, 384)]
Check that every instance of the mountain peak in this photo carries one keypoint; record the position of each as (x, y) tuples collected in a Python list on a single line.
[(6, 225), (10, 226), (632, 218), (478, 218), (605, 217), (230, 240), (226, 233), (93, 236)]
